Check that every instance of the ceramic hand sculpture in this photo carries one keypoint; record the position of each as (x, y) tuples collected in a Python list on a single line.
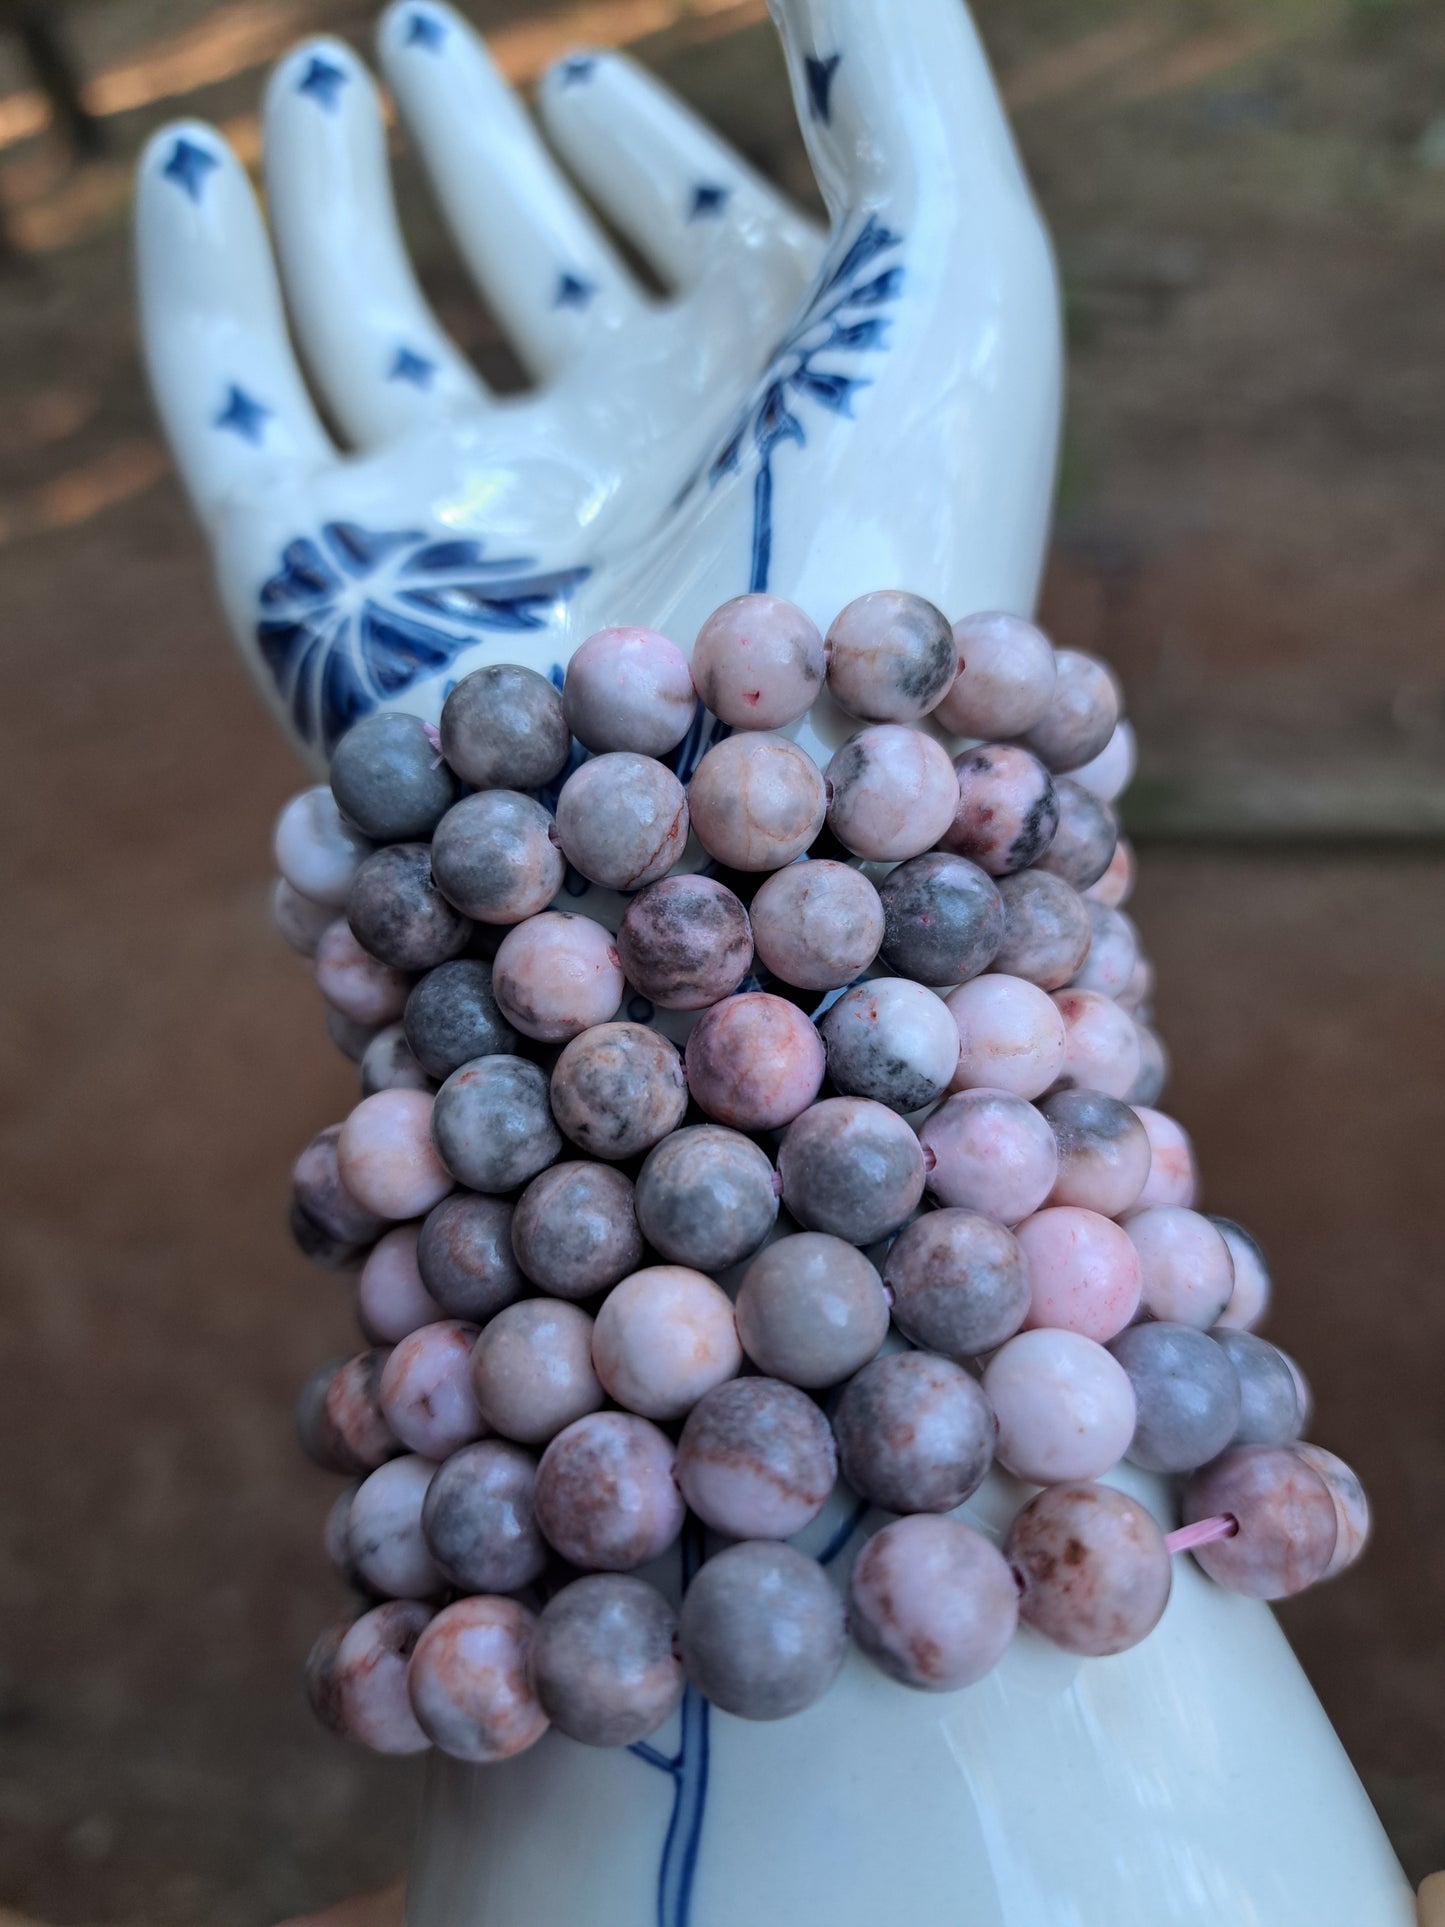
[(901, 433)]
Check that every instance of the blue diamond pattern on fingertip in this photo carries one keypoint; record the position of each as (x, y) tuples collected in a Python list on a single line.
[(243, 415), (427, 30), (709, 198), (573, 292), (323, 80), (408, 365), (188, 166), (820, 73), (576, 69)]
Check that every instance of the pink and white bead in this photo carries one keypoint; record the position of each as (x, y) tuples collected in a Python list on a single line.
[(391, 1300), (1093, 1566), (758, 662), (622, 820), (991, 1152), (1249, 1300), (1083, 1270), (301, 920), (892, 793), (368, 1683), (1082, 713), (1101, 1043), (1103, 1151), (356, 983), (1352, 1507), (1111, 772), (317, 851), (1113, 960), (386, 1156), (1284, 1511), (469, 1683), (1173, 1175), (426, 1390), (1186, 1272), (1011, 1036), (891, 657), (629, 689), (383, 1531), (932, 1603), (1065, 1408), (1116, 885), (556, 975), (756, 1459), (1007, 809), (607, 1496), (817, 924), (757, 801), (532, 1370), (1005, 677), (663, 1338), (754, 1061)]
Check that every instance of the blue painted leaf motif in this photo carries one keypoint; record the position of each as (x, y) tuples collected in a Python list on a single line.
[(425, 30), (243, 415), (820, 74), (408, 365), (323, 81), (188, 166), (355, 616)]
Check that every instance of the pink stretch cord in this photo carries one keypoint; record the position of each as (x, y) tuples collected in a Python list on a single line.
[(1203, 1533)]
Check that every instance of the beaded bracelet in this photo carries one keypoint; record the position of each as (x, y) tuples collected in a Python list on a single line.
[(899, 1209)]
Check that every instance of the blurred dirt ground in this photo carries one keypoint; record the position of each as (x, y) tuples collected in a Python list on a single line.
[(1249, 201)]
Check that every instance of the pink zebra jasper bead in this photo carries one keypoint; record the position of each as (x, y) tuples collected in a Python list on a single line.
[(1249, 1300), (383, 1531), (817, 924), (496, 858), (629, 689), (502, 728), (756, 1459), (1352, 1507), (557, 974), (397, 913), (1185, 1270), (369, 1677), (762, 1631), (891, 1040), (1094, 1568), (301, 920), (891, 657), (706, 1198), (353, 1040), (338, 1416), (915, 1433), (1081, 715), (1101, 1043), (607, 1496), (464, 1253), (354, 982), (532, 1370), (391, 1299), (892, 793), (1086, 836), (991, 1153), (1005, 677), (1115, 887), (1011, 1037), (319, 1677), (754, 1062), (318, 1192), (932, 1603), (811, 1310), (317, 851), (758, 662), (622, 820), (389, 1064), (959, 1282), (1065, 1408), (575, 1229), (1173, 1176), (1286, 1517), (426, 1390), (1153, 1075), (386, 1156), (469, 1683), (1007, 810), (1046, 930), (685, 942), (1103, 1151), (478, 1520), (665, 1336), (618, 1089), (757, 801), (1113, 962), (1084, 1272), (851, 1168), (604, 1660), (1111, 772)]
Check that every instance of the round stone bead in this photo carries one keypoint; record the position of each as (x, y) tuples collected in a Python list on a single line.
[(1136, 996), (622, 820), (757, 801), (1101, 1043), (1301, 1386), (1113, 960), (758, 662), (1081, 715), (1005, 677), (556, 975), (959, 1282), (1148, 1086), (892, 793), (1083, 1269), (338, 1416), (502, 728), (391, 1299), (575, 1230), (478, 1518), (354, 982), (389, 1064), (388, 779), (1352, 1507), (464, 1254), (398, 915), (1187, 1393), (1285, 1513), (943, 919), (932, 1603), (685, 943), (1065, 1408), (629, 689), (891, 1040), (665, 1336), (426, 1389), (532, 1370), (756, 1459), (1271, 1411), (762, 1631), (321, 1247), (1046, 930), (915, 1433), (1007, 811), (386, 1157), (1250, 1298), (607, 1496), (301, 920), (317, 852), (350, 1038), (706, 1197), (369, 1677), (320, 1678), (1110, 773), (1093, 1566), (469, 1682), (383, 1531), (1011, 1036), (891, 657), (604, 1664), (1085, 839), (851, 1168), (493, 1124), (452, 1017), (811, 1310), (1115, 887), (1173, 1175), (496, 857), (1185, 1270), (817, 924), (754, 1061), (320, 1193), (1103, 1151), (991, 1153), (617, 1089)]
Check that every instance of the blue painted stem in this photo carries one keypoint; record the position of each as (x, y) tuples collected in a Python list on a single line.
[(762, 525), (687, 1769)]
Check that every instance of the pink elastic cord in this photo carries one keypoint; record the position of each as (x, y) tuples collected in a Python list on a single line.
[(434, 737), (1204, 1533)]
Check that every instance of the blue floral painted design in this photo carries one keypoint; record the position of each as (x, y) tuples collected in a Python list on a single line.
[(323, 80), (820, 72), (354, 616), (188, 167), (243, 415)]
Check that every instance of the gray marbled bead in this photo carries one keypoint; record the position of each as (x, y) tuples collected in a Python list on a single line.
[(452, 1017), (1081, 714), (852, 1168), (338, 1415), (706, 1197), (492, 1124), (351, 1038), (1269, 1412), (817, 924), (388, 779), (685, 942), (478, 1521), (502, 728), (1187, 1392), (300, 919), (1007, 811), (1148, 1086), (618, 1088), (389, 1064), (319, 1194), (891, 657), (1046, 931), (762, 1631), (1104, 1151), (603, 1663), (322, 1247), (622, 820), (959, 1281), (464, 1255), (892, 1040), (1086, 837), (369, 1677), (811, 1310), (496, 858), (1287, 1525), (943, 919), (915, 1433), (756, 1459), (398, 915), (319, 1677), (575, 1230), (1093, 1568)]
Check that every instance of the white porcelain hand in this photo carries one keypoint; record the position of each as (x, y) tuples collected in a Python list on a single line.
[(818, 419)]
